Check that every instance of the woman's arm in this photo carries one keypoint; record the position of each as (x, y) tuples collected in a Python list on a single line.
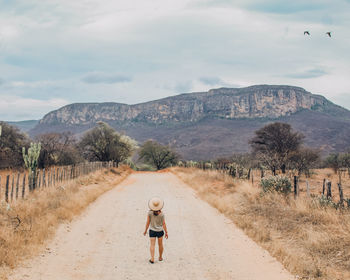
[(147, 225), (165, 229)]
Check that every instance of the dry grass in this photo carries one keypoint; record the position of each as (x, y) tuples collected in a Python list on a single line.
[(30, 222), (316, 181), (311, 242)]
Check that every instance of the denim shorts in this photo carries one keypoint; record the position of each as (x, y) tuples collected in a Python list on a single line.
[(158, 234)]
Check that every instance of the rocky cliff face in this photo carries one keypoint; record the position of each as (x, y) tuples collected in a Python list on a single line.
[(262, 101), (212, 124)]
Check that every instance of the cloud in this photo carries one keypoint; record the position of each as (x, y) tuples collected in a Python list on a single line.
[(136, 51), (13, 108), (308, 74), (268, 6), (103, 78), (286, 7), (183, 87), (211, 81)]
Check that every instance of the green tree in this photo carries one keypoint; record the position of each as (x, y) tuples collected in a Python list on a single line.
[(103, 143), (11, 143), (158, 155), (274, 143)]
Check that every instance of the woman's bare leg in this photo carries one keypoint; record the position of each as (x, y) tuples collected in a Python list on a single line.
[(153, 245), (161, 248)]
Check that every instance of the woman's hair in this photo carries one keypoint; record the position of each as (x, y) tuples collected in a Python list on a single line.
[(154, 212)]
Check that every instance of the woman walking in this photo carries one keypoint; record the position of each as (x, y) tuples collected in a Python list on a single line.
[(156, 223)]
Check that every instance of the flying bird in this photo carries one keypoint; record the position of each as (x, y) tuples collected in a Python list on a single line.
[(306, 33), (329, 34)]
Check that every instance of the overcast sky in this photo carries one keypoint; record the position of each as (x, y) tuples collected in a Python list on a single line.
[(56, 52)]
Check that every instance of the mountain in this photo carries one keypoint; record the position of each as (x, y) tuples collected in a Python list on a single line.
[(25, 126), (216, 123)]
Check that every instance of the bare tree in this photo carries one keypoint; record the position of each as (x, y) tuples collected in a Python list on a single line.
[(304, 159), (345, 161), (333, 161), (58, 148), (274, 143)]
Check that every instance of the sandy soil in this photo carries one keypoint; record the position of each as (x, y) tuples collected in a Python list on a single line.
[(107, 241)]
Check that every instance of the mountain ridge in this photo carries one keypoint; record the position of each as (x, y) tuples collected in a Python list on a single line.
[(229, 117), (251, 102)]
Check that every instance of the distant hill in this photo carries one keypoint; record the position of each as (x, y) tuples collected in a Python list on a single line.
[(211, 124), (25, 126)]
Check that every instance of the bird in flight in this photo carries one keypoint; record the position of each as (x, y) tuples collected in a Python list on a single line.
[(329, 34), (306, 33)]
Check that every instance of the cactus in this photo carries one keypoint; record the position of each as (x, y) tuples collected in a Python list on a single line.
[(31, 162)]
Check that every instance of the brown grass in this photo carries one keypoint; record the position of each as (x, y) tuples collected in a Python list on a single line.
[(310, 241), (316, 181), (26, 226)]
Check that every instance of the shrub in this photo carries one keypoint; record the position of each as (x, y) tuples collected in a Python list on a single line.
[(278, 183), (130, 163), (145, 167)]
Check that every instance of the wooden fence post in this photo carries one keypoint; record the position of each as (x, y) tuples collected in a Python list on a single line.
[(33, 180), (44, 179), (51, 180), (329, 189), (39, 179), (24, 184), (324, 186), (307, 188), (341, 195), (12, 186), (7, 188), (296, 186), (54, 177), (17, 185)]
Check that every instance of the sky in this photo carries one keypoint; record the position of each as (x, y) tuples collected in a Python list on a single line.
[(57, 52)]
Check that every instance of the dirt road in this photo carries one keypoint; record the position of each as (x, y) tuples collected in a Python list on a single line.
[(107, 241)]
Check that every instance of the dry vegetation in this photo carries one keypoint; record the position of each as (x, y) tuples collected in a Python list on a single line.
[(315, 181), (311, 242), (27, 224)]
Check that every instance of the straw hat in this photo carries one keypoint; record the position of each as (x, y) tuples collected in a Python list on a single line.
[(155, 204)]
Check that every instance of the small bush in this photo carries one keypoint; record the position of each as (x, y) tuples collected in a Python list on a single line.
[(326, 201), (278, 183), (145, 167), (130, 163), (347, 201)]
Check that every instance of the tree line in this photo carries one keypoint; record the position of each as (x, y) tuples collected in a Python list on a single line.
[(275, 147), (101, 143)]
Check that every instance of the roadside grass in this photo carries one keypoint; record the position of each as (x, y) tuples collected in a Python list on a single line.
[(311, 241), (27, 224), (315, 181)]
